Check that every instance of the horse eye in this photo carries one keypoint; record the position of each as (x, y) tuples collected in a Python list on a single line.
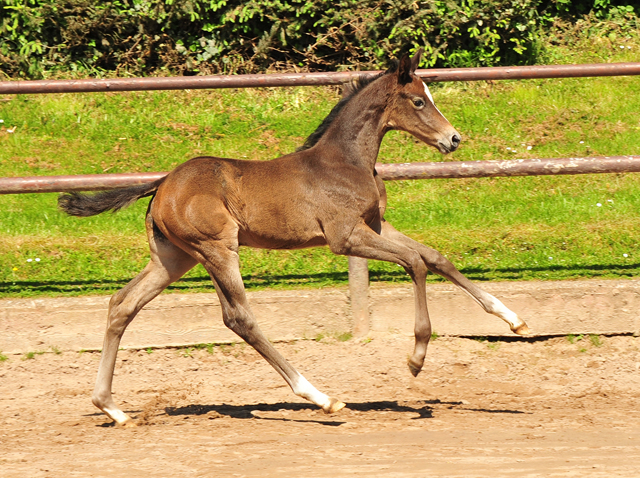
[(419, 103)]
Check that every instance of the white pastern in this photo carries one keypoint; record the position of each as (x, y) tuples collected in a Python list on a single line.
[(503, 312), (304, 389), (117, 415), (498, 308), (493, 306)]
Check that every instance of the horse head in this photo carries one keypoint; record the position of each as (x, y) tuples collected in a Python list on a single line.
[(415, 112)]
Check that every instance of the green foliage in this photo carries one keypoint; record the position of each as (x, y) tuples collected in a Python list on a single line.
[(600, 8), (3, 357), (44, 37)]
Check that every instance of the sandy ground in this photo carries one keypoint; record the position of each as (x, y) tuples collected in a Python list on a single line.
[(479, 409)]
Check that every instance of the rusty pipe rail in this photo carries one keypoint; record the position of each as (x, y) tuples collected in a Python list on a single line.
[(312, 79), (511, 167), (388, 172), (79, 182)]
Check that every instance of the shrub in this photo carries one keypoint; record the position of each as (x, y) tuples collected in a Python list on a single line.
[(41, 37)]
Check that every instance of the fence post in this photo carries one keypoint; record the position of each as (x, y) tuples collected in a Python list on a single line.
[(359, 295)]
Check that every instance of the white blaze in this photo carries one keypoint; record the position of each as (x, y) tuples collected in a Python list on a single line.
[(426, 90), (428, 93)]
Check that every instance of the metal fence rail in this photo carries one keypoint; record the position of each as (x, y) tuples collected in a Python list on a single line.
[(312, 79), (388, 172)]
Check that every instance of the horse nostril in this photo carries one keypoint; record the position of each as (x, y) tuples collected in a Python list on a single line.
[(455, 140)]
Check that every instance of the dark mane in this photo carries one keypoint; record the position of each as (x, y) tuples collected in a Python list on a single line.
[(350, 90)]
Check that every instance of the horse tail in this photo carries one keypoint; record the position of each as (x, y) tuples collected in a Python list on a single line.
[(84, 205)]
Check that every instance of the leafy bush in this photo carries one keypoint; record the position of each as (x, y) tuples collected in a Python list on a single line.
[(40, 37)]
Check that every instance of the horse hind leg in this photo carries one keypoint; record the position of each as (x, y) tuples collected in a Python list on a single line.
[(222, 263), (168, 263)]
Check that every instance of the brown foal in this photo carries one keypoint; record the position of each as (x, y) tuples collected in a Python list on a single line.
[(326, 193)]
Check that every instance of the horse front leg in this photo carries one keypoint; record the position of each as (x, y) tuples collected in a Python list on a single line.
[(367, 243), (439, 264)]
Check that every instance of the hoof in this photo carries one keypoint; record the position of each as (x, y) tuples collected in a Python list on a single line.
[(522, 330), (128, 423), (333, 406), (413, 369)]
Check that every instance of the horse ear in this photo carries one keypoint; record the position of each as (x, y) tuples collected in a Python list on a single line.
[(415, 61), (405, 71)]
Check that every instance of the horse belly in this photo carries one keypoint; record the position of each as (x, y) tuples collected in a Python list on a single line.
[(284, 238)]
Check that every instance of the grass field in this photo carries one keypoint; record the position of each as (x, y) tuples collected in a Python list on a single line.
[(493, 229)]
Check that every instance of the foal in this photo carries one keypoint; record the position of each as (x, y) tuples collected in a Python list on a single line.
[(326, 193)]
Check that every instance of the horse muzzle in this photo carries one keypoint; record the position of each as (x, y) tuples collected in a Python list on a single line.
[(449, 143)]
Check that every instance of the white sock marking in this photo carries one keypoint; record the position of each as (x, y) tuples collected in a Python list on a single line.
[(304, 389), (115, 414), (499, 309), (493, 306)]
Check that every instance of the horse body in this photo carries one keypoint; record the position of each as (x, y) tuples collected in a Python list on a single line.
[(327, 193), (283, 215)]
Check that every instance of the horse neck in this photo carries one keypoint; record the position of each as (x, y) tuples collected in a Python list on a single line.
[(358, 130)]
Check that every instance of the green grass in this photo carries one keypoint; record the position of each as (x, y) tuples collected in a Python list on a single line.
[(572, 339), (529, 228), (594, 339), (32, 355), (338, 336)]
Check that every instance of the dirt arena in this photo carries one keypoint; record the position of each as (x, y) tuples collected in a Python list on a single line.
[(479, 409)]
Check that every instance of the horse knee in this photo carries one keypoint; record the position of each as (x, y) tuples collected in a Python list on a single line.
[(239, 321), (442, 263), (436, 261), (119, 316), (117, 325), (231, 322), (417, 265), (117, 299)]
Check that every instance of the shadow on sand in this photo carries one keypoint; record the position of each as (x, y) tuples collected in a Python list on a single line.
[(424, 409)]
